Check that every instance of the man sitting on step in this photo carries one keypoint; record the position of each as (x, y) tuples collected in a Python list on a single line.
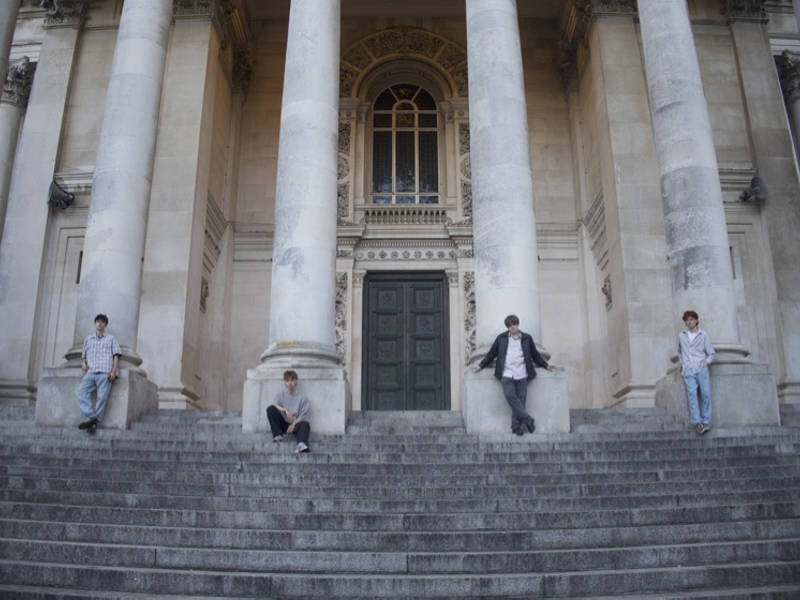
[(99, 359), (288, 414), (516, 354)]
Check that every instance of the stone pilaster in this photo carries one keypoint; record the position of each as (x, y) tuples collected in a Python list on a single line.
[(772, 146), (16, 91), (302, 290), (111, 273), (25, 227), (696, 231), (504, 227)]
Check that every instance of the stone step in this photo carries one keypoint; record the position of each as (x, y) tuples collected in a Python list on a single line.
[(242, 531), (566, 584), (390, 562)]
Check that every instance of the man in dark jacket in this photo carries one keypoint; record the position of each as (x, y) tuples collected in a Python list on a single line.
[(516, 356)]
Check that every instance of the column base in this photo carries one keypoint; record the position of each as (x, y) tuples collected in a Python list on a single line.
[(17, 391), (177, 398), (635, 396), (132, 395), (743, 394), (485, 408), (325, 385), (789, 392)]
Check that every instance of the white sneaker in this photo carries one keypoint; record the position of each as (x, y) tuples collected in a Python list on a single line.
[(278, 438), (301, 447)]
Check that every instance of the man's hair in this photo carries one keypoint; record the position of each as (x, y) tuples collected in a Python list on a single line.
[(511, 320), (690, 313), (101, 317), (289, 376)]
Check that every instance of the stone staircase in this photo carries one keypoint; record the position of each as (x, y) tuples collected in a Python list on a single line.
[(184, 505)]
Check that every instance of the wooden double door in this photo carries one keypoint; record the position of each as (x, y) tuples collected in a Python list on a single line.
[(406, 346)]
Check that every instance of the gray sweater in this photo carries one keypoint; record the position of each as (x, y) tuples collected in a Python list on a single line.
[(297, 404)]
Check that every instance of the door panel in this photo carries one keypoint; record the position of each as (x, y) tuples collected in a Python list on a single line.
[(406, 350)]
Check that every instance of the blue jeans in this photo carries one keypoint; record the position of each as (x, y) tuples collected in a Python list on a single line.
[(516, 392), (90, 383), (702, 381)]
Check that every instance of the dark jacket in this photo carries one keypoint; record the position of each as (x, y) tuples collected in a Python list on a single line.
[(499, 349)]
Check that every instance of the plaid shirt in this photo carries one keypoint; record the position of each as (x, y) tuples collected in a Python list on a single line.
[(99, 352)]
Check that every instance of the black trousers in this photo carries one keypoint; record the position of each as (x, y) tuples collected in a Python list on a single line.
[(516, 393), (278, 425)]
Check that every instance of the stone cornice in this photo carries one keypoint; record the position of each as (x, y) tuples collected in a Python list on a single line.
[(788, 64), (64, 13), (744, 10), (17, 87)]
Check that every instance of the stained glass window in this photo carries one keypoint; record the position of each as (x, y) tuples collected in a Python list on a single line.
[(405, 163)]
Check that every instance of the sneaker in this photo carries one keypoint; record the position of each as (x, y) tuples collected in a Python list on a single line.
[(278, 438), (699, 429), (92, 428), (530, 425), (519, 430), (87, 424), (705, 428), (301, 447)]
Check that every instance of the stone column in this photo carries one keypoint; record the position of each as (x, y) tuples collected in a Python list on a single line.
[(25, 227), (302, 291), (696, 231), (8, 22), (12, 106), (504, 228), (114, 244)]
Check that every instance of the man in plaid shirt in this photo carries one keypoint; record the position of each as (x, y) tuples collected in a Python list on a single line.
[(99, 362)]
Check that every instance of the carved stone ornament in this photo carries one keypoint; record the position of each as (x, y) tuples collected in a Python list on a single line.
[(358, 59), (344, 138), (19, 78), (606, 289), (341, 312), (66, 13), (744, 10), (342, 202), (469, 315), (58, 197), (788, 64), (243, 65)]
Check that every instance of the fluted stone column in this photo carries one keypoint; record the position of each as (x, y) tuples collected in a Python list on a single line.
[(16, 90), (8, 22), (302, 289), (115, 233), (696, 231), (504, 227)]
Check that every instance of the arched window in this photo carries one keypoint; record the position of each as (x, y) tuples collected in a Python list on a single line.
[(405, 165)]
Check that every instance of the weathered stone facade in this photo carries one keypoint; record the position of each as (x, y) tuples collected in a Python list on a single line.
[(560, 197)]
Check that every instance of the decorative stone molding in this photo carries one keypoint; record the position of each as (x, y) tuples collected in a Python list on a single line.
[(358, 59), (788, 64), (65, 13), (465, 172), (744, 10), (242, 70), (469, 315), (406, 252), (595, 223), (606, 289), (19, 78), (341, 313), (214, 230), (344, 168)]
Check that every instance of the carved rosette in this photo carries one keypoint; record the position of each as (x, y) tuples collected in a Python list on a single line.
[(17, 87), (403, 41), (341, 312), (469, 315), (744, 10), (788, 64), (65, 13)]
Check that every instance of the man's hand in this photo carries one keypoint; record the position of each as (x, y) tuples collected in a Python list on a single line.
[(551, 367), (703, 363), (290, 429), (112, 375), (84, 366), (476, 367), (289, 416)]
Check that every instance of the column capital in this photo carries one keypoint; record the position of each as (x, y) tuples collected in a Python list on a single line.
[(788, 64), (17, 87), (65, 13), (576, 20), (744, 10)]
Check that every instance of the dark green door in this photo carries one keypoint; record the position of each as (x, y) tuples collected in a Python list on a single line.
[(406, 350)]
